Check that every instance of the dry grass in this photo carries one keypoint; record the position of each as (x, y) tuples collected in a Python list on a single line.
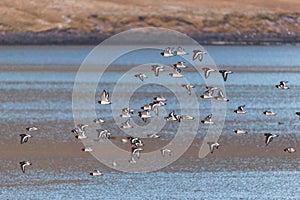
[(192, 16)]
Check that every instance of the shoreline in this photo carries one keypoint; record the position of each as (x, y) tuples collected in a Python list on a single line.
[(84, 38)]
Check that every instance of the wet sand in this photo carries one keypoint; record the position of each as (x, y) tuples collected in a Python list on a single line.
[(233, 153)]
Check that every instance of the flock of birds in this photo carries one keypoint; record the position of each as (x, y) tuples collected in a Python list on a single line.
[(136, 143)]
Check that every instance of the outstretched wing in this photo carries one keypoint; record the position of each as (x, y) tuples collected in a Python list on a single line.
[(241, 108), (196, 54), (104, 96)]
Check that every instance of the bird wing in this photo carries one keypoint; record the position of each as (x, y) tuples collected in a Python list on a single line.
[(200, 57), (241, 108), (125, 111), (128, 122), (208, 118), (23, 167), (155, 108), (196, 54), (156, 71), (25, 139), (104, 96), (221, 93)]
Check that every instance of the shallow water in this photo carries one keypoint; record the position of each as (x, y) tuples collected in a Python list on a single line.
[(159, 185), (36, 86)]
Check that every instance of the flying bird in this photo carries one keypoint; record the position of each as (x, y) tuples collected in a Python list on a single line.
[(173, 117), (240, 131), (240, 110), (213, 146), (181, 52), (23, 164), (176, 73), (282, 85), (188, 87), (126, 124), (179, 65), (168, 52), (221, 96), (165, 151), (96, 173), (104, 98), (208, 120), (289, 150), (141, 76), (269, 113), (269, 138), (157, 68), (33, 128), (225, 73), (207, 71), (198, 54), (24, 138), (126, 113)]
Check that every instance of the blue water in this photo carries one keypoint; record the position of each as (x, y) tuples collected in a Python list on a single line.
[(163, 185), (36, 86)]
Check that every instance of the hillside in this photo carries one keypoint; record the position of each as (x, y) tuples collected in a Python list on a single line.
[(277, 18)]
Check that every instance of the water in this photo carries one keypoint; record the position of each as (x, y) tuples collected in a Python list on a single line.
[(159, 185), (36, 88)]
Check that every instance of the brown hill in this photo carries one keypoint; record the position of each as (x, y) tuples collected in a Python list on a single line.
[(192, 16)]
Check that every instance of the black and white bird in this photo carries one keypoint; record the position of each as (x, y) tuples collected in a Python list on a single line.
[(96, 173), (208, 120), (240, 131), (141, 76), (126, 113), (154, 136), (32, 128), (87, 149), (240, 110), (23, 164), (269, 138), (221, 96), (126, 124), (207, 71), (168, 52), (159, 98), (99, 121), (282, 85), (289, 150), (225, 73), (176, 73), (81, 136), (165, 151), (173, 117), (198, 54), (179, 65), (157, 68), (156, 105), (135, 141), (144, 115), (79, 129), (135, 152), (188, 87), (269, 113), (24, 138), (103, 133), (181, 52), (104, 99), (213, 146), (208, 94)]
